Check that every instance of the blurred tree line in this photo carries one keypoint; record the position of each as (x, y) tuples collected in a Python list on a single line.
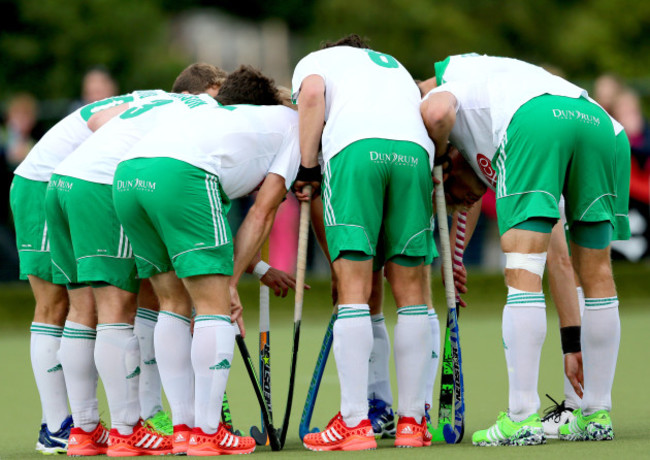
[(47, 45)]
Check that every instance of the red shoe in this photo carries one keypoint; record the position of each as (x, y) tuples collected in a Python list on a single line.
[(145, 440), (223, 442), (412, 434), (338, 436), (181, 438), (83, 443)]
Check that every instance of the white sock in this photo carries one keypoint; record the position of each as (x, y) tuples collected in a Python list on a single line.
[(378, 373), (412, 356), (601, 335), (173, 353), (524, 330), (117, 357), (48, 373), (78, 361), (150, 386), (352, 347), (432, 368), (213, 348)]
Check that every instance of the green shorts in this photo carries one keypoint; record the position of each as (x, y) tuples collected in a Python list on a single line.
[(622, 206), (27, 200), (557, 145), (87, 240), (175, 216), (374, 184)]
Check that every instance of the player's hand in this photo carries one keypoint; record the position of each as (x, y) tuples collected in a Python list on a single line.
[(299, 189), (280, 282), (573, 370), (460, 281), (236, 309)]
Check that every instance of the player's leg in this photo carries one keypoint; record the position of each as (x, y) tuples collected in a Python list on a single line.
[(150, 385), (434, 325), (380, 396), (27, 200), (409, 247), (173, 342)]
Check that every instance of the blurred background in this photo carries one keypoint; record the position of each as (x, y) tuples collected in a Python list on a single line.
[(56, 55)]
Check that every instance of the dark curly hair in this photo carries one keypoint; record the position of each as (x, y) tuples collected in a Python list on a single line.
[(247, 85), (199, 77), (352, 40)]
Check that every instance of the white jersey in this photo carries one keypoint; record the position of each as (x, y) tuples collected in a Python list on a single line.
[(240, 144), (486, 103), (63, 139), (97, 158), (367, 95)]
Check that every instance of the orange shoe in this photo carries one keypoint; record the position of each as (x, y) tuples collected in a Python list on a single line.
[(338, 436), (144, 440), (412, 434), (83, 443), (181, 438), (223, 442)]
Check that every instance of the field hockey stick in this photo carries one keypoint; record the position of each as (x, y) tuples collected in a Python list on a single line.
[(258, 434), (319, 369), (226, 416), (451, 434), (303, 237), (267, 418)]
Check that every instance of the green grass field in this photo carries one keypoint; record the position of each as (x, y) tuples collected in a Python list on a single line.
[(483, 362)]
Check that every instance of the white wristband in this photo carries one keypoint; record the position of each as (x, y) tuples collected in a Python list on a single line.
[(260, 269)]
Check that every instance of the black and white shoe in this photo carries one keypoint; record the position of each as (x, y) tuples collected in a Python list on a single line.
[(555, 416)]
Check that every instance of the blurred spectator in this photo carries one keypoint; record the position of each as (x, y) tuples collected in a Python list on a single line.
[(20, 120), (627, 110), (606, 89), (97, 84), (283, 240)]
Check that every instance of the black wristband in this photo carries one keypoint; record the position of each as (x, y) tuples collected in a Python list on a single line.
[(309, 174), (570, 336)]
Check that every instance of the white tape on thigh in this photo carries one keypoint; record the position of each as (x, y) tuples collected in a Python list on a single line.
[(533, 263)]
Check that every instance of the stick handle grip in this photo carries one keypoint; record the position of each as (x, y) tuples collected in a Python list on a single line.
[(301, 265)]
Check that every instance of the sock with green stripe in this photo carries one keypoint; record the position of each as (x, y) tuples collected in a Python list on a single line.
[(412, 356), (44, 344), (432, 367), (378, 373), (117, 357), (601, 335), (352, 346), (213, 348), (150, 385), (78, 361), (524, 330), (173, 352)]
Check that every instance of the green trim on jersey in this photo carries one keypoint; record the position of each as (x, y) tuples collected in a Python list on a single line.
[(622, 207), (27, 200), (439, 68), (175, 216), (89, 110)]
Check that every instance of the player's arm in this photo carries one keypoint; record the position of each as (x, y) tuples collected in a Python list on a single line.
[(460, 274), (277, 280), (311, 119), (439, 114), (257, 224), (99, 119)]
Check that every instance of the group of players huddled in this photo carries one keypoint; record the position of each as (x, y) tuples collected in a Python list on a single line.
[(120, 213)]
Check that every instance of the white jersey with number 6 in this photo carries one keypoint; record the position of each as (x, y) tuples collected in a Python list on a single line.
[(367, 95)]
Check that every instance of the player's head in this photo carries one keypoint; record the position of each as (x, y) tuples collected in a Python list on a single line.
[(247, 85), (199, 78), (463, 187), (352, 40)]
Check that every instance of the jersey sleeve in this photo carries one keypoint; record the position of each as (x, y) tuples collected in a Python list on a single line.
[(287, 160), (307, 66)]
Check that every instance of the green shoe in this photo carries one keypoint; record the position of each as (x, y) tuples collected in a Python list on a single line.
[(594, 427), (505, 432), (161, 422)]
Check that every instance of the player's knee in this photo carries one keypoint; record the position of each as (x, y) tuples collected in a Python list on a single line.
[(525, 271)]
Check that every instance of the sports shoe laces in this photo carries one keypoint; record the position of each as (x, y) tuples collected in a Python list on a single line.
[(555, 411)]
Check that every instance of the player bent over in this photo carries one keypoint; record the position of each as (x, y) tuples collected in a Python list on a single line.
[(545, 137), (377, 174), (200, 162)]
